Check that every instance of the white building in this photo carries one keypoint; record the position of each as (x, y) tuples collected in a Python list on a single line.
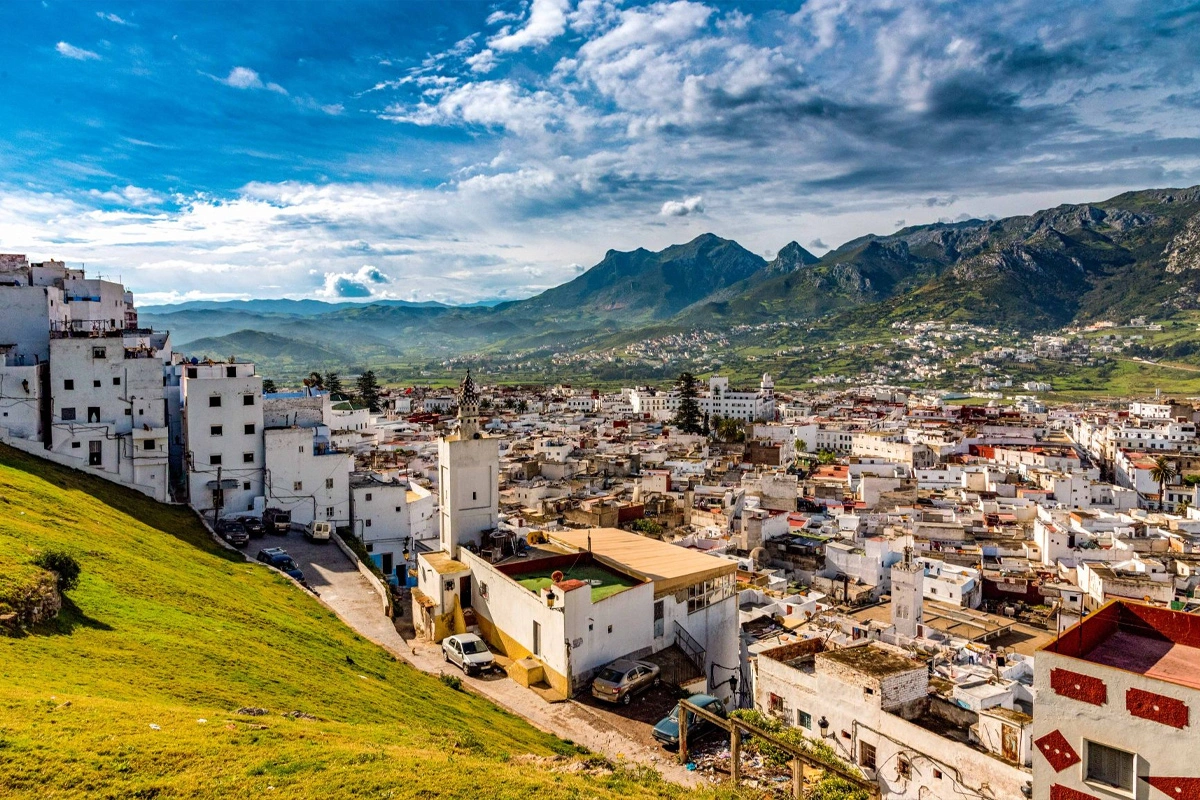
[(306, 475), (222, 420), (1117, 703), (391, 516)]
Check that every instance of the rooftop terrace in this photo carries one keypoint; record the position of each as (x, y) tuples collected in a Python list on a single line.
[(535, 574)]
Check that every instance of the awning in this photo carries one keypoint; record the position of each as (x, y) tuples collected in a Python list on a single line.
[(224, 483)]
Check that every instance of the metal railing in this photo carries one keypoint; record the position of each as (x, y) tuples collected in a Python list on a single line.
[(690, 647)]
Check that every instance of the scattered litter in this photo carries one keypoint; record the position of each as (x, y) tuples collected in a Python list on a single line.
[(299, 715), (154, 727), (691, 767), (252, 711), (63, 705), (201, 721)]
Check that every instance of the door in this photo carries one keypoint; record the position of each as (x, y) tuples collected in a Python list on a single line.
[(1009, 746), (537, 638), (95, 454), (658, 619), (464, 591)]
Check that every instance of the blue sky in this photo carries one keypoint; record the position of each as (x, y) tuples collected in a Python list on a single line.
[(461, 151)]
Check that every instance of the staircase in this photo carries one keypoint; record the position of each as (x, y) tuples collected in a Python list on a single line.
[(690, 647)]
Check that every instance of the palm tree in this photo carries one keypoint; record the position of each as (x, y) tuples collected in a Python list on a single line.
[(1161, 473)]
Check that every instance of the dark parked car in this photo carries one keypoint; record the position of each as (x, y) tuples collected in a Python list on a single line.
[(623, 679), (276, 520), (667, 730), (278, 557), (253, 526), (232, 531)]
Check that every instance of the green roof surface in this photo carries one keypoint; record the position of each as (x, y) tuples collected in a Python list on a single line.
[(609, 582)]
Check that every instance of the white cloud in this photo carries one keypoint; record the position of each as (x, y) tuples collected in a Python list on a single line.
[(493, 104), (365, 282), (133, 196), (77, 53), (113, 18), (681, 208), (547, 20), (482, 62), (246, 78)]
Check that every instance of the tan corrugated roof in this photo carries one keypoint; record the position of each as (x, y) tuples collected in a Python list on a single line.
[(443, 564), (670, 567)]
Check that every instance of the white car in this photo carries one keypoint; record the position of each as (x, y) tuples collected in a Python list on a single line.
[(469, 652)]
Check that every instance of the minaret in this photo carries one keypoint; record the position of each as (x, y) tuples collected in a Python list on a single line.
[(468, 477), (908, 590)]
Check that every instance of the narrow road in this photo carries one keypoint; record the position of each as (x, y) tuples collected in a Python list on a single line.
[(343, 588)]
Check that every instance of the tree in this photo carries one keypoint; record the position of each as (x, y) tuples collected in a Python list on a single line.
[(269, 386), (315, 380), (688, 417), (333, 382), (522, 406), (1161, 473), (368, 390), (826, 456), (730, 429), (63, 565)]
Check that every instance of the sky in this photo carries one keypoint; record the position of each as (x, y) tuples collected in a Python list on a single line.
[(466, 151)]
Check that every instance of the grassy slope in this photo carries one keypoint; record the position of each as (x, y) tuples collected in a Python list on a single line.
[(168, 629)]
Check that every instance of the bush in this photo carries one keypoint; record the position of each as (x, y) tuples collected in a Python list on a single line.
[(819, 750), (61, 564), (453, 681)]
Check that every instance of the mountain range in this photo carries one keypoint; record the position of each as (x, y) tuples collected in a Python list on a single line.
[(1137, 253)]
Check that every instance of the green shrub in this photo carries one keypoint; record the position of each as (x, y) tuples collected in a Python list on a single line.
[(453, 681), (63, 565)]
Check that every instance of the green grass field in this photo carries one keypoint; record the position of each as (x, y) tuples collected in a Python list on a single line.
[(610, 582), (131, 693)]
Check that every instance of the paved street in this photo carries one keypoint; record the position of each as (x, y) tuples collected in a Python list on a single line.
[(619, 733)]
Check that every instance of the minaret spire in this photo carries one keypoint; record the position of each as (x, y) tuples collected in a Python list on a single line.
[(468, 408)]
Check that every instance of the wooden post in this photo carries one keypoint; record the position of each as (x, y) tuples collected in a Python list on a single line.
[(683, 715), (797, 778), (735, 754)]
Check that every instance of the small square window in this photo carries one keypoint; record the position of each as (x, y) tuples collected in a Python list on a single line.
[(247, 399), (1110, 766), (216, 430), (96, 384), (193, 372), (399, 509), (215, 459), (937, 773), (329, 512), (214, 401), (249, 429), (129, 412), (367, 523), (67, 414), (804, 719), (69, 385), (231, 372), (247, 458), (329, 483), (98, 352), (76, 445), (866, 755), (116, 381), (904, 768), (148, 444), (367, 497), (246, 486), (298, 486)]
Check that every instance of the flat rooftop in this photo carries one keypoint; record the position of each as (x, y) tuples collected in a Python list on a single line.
[(670, 567), (872, 660), (604, 581), (1147, 640)]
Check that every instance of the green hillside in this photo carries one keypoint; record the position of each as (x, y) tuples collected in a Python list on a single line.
[(132, 692)]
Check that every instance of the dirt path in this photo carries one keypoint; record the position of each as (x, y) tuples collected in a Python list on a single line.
[(351, 597)]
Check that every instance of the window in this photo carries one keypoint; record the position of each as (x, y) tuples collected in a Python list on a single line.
[(93, 413), (329, 483), (866, 755), (367, 523), (129, 412), (193, 372), (246, 486), (67, 414), (215, 459), (76, 445), (1109, 766), (775, 704), (231, 372), (473, 496), (399, 509), (249, 429), (329, 512), (904, 768), (95, 455), (247, 458), (387, 563), (116, 381), (214, 401), (98, 352), (215, 430), (148, 444), (96, 383), (69, 385), (703, 594), (247, 399), (937, 773), (537, 638), (298, 486), (367, 497), (804, 719)]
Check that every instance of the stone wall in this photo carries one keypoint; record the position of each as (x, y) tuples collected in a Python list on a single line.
[(34, 603)]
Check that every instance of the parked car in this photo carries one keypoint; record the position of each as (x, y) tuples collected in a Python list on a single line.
[(318, 531), (232, 531), (278, 557), (253, 525), (276, 520), (667, 730), (469, 652), (623, 679)]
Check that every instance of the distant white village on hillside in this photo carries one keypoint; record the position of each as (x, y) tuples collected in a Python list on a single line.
[(988, 601)]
